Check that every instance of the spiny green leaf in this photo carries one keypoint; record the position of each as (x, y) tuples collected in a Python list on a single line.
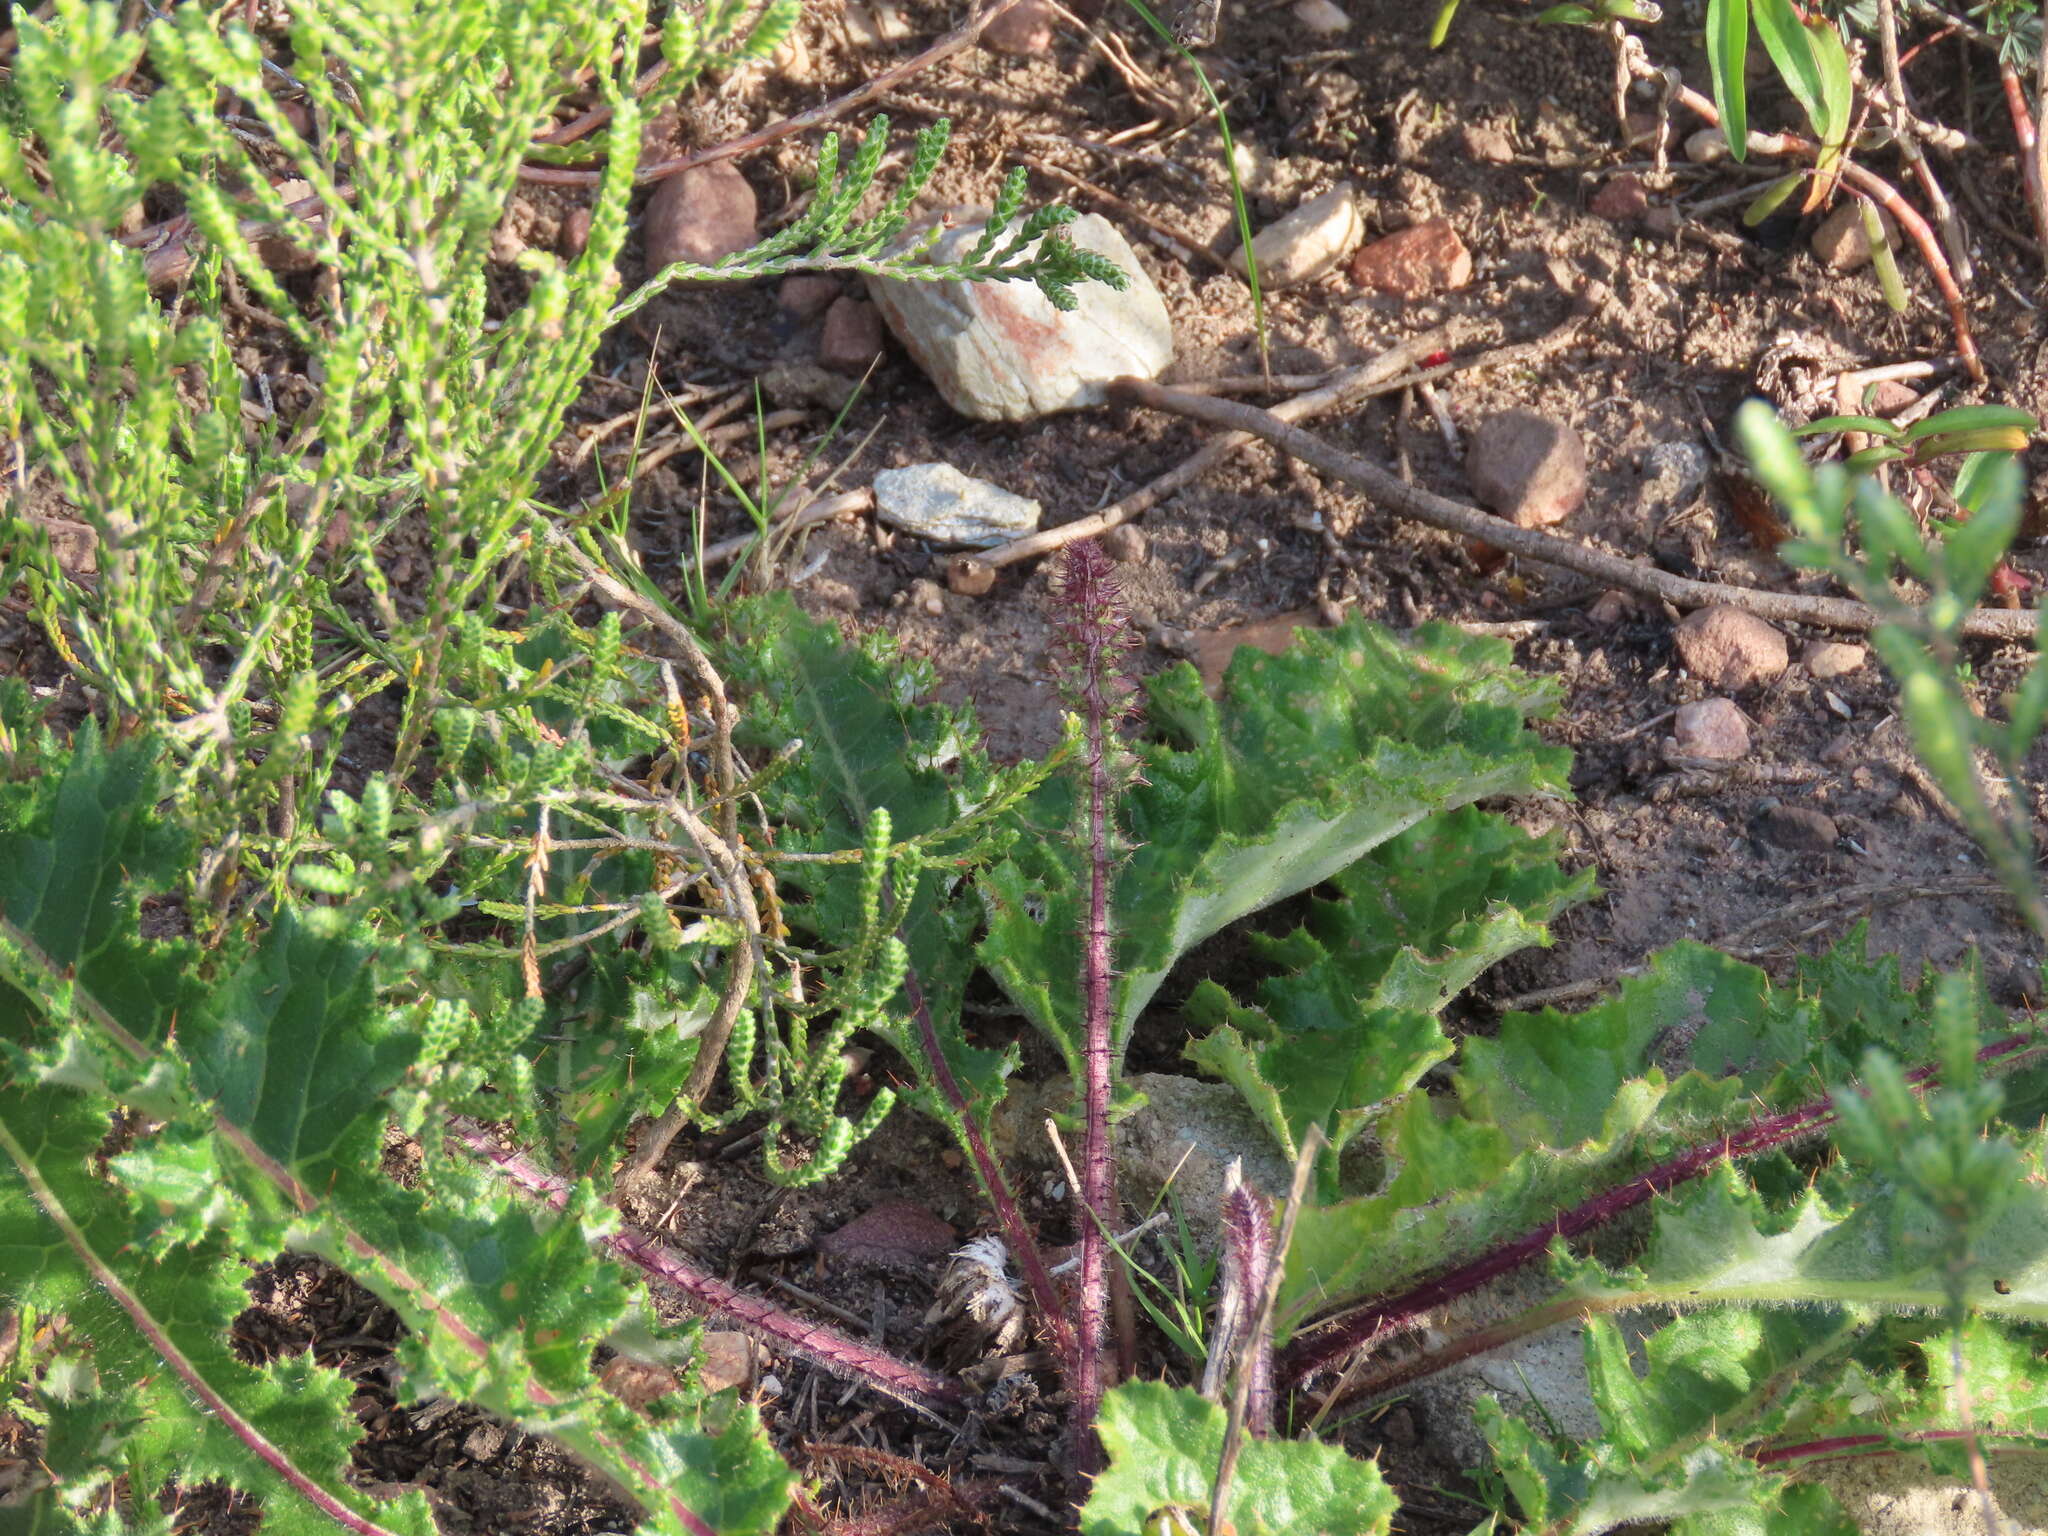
[(1164, 1443), (1234, 810), (1350, 1019)]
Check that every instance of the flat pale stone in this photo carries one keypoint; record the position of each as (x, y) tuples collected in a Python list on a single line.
[(1304, 244), (937, 502), (1001, 352)]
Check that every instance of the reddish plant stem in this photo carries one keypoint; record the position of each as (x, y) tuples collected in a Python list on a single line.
[(1097, 1170), (1876, 186), (587, 123), (1023, 1242), (2024, 136), (1376, 1320), (1094, 631), (1247, 1271), (826, 1347), (1906, 59), (1849, 1445)]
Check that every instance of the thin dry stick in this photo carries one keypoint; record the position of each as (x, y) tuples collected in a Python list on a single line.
[(168, 248), (1863, 180), (1905, 129), (811, 513), (1434, 511), (1330, 392), (962, 36), (1261, 1330), (1345, 389), (716, 848), (1192, 244)]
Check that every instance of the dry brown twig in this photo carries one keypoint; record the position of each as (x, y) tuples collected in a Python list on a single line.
[(1385, 488), (1907, 131), (1336, 391), (718, 848), (1180, 238), (961, 37)]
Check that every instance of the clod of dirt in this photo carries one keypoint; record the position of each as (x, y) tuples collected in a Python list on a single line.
[(852, 337), (75, 544), (1527, 468), (970, 577), (1001, 352), (1902, 1496), (1126, 544), (1320, 18), (508, 240), (1415, 262), (937, 502), (726, 1359), (1181, 1141), (1211, 649), (279, 253), (1487, 143), (924, 596), (1023, 30), (1841, 242), (1624, 200), (575, 233), (1796, 828), (1826, 660), (807, 295), (1307, 242), (899, 1234), (637, 1383), (1712, 728), (700, 215), (1727, 648), (876, 25)]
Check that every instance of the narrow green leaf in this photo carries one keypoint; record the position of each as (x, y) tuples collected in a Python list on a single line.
[(1971, 418), (1872, 424), (1727, 53)]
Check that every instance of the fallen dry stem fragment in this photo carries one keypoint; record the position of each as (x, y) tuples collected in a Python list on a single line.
[(1337, 392), (962, 36), (1385, 488)]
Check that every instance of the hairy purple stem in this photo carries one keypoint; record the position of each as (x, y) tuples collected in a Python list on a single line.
[(825, 1347), (1095, 633), (1378, 1319), (1247, 1269), (1022, 1240)]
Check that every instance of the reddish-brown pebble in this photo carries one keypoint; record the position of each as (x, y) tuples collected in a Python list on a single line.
[(1415, 262)]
